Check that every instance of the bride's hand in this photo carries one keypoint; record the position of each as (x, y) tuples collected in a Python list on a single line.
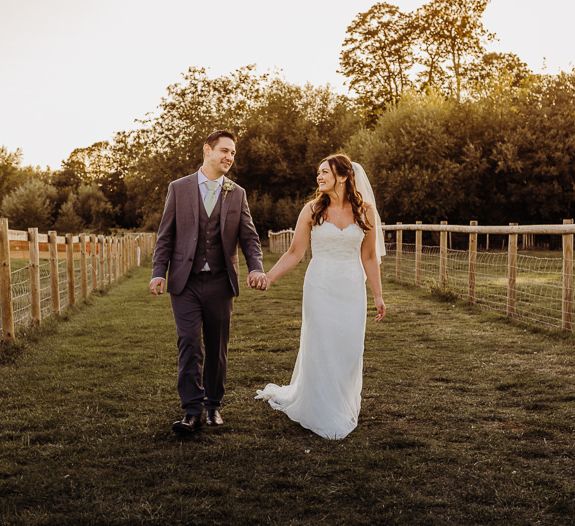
[(258, 280), (381, 309)]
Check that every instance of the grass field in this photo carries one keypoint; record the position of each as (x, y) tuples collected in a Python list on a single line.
[(466, 419)]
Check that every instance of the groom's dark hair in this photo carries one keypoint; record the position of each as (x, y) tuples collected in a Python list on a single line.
[(214, 137)]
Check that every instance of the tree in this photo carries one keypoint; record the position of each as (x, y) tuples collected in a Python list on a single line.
[(450, 35), (496, 72), (377, 56), (408, 155), (169, 143), (29, 205), (68, 219), (91, 164), (287, 135), (283, 131), (506, 157), (9, 166), (93, 208)]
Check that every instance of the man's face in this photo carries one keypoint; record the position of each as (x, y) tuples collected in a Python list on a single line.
[(221, 157)]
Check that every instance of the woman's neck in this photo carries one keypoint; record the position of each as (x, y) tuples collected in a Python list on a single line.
[(337, 200)]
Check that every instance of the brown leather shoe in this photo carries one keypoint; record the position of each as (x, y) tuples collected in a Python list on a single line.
[(213, 418), (188, 425)]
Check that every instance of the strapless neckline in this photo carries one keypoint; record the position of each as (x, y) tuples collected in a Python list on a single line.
[(340, 229)]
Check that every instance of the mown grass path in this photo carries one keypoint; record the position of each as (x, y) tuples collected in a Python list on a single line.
[(466, 419)]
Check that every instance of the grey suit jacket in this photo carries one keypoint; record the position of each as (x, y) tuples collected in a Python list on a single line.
[(178, 233)]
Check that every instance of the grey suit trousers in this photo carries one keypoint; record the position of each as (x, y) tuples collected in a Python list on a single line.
[(202, 313)]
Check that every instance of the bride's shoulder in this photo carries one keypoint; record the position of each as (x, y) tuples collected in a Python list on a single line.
[(307, 212), (368, 211), (308, 208)]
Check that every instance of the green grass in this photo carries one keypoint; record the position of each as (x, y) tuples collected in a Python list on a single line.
[(466, 419)]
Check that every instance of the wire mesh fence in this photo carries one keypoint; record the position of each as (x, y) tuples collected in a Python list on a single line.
[(539, 284), (31, 291), (21, 296)]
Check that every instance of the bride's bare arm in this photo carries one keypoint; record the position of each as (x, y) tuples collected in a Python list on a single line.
[(296, 250), (371, 265)]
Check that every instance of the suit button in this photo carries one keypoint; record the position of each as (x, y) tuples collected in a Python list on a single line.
[(190, 259)]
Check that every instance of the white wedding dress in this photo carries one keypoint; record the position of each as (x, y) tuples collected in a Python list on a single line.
[(324, 394)]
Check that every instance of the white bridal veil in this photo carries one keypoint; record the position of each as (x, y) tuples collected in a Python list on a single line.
[(364, 188)]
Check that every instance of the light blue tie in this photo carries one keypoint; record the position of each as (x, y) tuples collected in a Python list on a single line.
[(210, 197)]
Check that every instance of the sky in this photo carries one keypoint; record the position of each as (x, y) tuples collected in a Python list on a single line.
[(73, 72)]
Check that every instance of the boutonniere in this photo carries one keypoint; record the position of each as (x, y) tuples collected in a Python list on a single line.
[(228, 186)]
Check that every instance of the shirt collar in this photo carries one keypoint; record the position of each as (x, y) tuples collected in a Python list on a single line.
[(202, 178)]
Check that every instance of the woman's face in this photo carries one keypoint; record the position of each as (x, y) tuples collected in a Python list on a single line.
[(326, 179)]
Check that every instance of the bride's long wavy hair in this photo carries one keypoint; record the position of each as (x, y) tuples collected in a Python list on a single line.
[(340, 164)]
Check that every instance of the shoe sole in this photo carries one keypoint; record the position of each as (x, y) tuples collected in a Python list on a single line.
[(181, 429)]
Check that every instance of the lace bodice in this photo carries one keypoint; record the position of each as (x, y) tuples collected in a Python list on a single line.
[(329, 241)]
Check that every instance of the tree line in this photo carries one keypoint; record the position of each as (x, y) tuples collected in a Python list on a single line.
[(445, 129)]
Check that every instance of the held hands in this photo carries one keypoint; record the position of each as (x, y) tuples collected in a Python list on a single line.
[(157, 286), (381, 309), (258, 280)]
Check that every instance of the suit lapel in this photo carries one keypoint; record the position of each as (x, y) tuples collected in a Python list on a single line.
[(225, 204), (193, 195)]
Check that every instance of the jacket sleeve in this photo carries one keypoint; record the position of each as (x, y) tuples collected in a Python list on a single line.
[(166, 235), (249, 239)]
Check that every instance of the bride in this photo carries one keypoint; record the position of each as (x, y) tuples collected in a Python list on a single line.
[(324, 394)]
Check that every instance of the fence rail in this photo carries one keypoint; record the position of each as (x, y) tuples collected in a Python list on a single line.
[(531, 289), (53, 271)]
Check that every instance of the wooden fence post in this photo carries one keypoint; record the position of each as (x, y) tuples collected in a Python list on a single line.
[(101, 259), (567, 303), (83, 267), (94, 259), (70, 268), (418, 251), (382, 266), (120, 256), (398, 252), (443, 258), (6, 283), (139, 243), (124, 255), (112, 253), (472, 268), (34, 266), (54, 272), (128, 254), (512, 274), (116, 258), (109, 258)]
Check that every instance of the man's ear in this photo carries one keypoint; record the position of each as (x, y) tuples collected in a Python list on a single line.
[(206, 149)]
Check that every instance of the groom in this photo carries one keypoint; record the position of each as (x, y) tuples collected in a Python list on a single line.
[(205, 216)]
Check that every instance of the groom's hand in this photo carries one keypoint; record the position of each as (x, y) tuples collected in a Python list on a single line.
[(157, 286), (257, 280)]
